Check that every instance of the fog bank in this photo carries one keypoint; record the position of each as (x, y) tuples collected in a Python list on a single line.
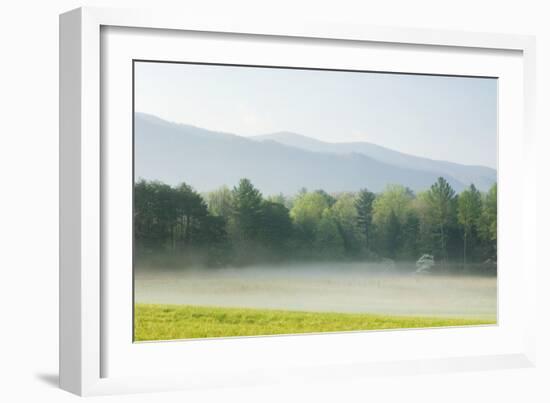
[(324, 287)]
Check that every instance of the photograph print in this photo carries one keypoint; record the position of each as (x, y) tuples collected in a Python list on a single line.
[(280, 201)]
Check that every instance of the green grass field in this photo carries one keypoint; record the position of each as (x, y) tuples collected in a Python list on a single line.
[(170, 322)]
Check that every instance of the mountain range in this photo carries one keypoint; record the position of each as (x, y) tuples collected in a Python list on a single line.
[(284, 162)]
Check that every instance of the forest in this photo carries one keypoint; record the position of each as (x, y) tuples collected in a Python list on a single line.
[(239, 226)]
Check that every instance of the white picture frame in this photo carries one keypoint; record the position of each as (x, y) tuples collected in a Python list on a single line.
[(88, 348)]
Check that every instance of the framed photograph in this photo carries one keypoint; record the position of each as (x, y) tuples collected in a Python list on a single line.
[(246, 203)]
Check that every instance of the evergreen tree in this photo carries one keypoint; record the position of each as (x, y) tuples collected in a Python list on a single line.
[(363, 205), (154, 215), (190, 211), (330, 200), (276, 226), (247, 210), (442, 202)]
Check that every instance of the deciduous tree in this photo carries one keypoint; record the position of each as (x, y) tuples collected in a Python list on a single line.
[(469, 214), (442, 203)]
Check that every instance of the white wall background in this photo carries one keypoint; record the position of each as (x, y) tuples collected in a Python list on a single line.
[(29, 201)]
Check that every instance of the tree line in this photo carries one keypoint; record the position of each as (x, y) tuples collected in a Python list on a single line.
[(240, 226)]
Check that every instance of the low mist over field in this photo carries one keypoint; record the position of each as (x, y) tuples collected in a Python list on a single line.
[(326, 287)]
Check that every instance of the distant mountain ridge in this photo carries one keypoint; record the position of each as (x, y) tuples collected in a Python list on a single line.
[(283, 162), (482, 177)]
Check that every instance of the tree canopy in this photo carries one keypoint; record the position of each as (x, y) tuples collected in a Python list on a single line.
[(240, 226)]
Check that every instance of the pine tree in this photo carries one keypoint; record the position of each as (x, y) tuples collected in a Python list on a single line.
[(363, 206), (247, 210)]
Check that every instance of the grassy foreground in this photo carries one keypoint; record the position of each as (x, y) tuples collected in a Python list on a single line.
[(169, 322)]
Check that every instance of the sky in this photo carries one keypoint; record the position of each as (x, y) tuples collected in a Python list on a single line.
[(444, 118)]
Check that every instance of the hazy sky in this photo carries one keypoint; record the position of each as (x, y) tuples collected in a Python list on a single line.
[(448, 118)]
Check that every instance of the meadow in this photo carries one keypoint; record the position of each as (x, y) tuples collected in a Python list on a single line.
[(322, 297), (172, 322)]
